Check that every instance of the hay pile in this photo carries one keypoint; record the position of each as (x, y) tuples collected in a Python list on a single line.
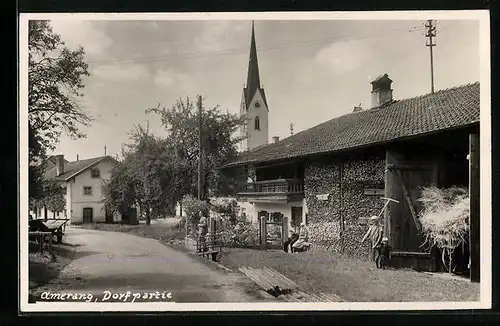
[(445, 216)]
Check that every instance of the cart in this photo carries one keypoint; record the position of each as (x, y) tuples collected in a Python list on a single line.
[(56, 227)]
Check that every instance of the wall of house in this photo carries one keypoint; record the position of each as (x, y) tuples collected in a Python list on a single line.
[(252, 209), (79, 201), (343, 181)]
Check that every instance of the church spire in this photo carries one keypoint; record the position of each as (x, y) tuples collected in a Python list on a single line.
[(253, 79)]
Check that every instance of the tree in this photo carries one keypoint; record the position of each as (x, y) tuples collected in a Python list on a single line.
[(150, 176), (218, 141), (55, 80), (52, 197)]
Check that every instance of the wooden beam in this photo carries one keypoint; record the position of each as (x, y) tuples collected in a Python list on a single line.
[(474, 223), (409, 166), (409, 201)]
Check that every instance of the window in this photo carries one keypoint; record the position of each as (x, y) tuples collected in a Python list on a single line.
[(87, 191), (257, 123), (95, 173)]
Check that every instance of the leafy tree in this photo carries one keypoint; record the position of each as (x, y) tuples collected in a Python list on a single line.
[(218, 141), (150, 176), (55, 80), (52, 197)]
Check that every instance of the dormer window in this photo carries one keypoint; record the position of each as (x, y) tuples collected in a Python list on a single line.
[(257, 123), (95, 173)]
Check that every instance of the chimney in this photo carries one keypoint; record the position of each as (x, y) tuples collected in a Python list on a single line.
[(381, 91), (276, 139), (59, 164), (357, 109)]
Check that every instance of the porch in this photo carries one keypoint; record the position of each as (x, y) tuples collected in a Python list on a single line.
[(279, 190)]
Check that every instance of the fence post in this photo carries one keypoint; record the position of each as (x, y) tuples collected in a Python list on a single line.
[(284, 236), (263, 232)]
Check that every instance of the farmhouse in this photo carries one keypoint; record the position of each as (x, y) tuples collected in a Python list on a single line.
[(336, 173), (82, 180)]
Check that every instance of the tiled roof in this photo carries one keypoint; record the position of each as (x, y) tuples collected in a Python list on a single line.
[(73, 168), (449, 108)]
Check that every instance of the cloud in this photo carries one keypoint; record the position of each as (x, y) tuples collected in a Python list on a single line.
[(121, 72), (217, 34), (343, 56), (168, 78), (81, 32)]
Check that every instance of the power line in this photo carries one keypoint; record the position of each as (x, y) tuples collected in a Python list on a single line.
[(245, 50)]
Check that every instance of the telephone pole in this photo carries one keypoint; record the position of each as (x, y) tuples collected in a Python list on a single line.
[(200, 148), (431, 32)]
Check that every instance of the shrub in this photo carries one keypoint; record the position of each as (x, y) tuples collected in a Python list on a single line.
[(192, 206), (226, 207), (242, 234)]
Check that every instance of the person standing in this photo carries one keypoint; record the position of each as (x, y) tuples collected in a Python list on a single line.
[(375, 234), (202, 232)]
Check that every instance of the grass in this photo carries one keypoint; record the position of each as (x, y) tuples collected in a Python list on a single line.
[(45, 267), (352, 279)]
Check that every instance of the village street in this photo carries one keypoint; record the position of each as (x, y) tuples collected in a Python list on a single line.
[(118, 262)]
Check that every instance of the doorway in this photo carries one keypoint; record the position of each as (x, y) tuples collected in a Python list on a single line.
[(88, 215), (296, 218), (109, 215)]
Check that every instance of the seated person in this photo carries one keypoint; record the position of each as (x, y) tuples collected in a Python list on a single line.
[(301, 243), (291, 240)]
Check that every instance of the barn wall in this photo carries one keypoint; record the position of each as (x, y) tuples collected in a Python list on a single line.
[(345, 181)]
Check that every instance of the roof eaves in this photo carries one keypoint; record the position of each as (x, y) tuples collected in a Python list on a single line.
[(348, 148)]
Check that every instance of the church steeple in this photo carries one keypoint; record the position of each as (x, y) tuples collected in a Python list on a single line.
[(253, 78), (254, 104)]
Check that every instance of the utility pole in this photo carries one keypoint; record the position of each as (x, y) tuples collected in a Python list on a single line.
[(104, 150), (431, 32), (200, 148), (291, 129)]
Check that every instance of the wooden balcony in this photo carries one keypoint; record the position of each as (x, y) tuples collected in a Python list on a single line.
[(281, 190)]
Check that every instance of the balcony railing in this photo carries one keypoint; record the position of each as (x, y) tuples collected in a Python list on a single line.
[(274, 186)]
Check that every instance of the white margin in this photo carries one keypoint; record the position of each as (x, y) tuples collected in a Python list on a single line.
[(485, 163)]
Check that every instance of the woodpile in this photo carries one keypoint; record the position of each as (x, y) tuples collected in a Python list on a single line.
[(345, 183)]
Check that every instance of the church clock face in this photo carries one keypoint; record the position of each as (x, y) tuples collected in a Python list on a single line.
[(257, 104)]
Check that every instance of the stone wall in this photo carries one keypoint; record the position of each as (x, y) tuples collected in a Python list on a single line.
[(344, 181)]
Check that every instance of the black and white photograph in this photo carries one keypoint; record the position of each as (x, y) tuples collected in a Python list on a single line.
[(255, 161)]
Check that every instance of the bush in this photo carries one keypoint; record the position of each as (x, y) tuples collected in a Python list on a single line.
[(241, 234), (226, 207), (192, 206)]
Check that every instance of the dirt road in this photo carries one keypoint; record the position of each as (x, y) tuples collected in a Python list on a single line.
[(120, 262)]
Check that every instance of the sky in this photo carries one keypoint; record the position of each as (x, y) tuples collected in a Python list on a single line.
[(312, 71)]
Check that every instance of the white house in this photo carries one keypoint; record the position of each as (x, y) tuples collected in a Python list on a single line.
[(83, 180)]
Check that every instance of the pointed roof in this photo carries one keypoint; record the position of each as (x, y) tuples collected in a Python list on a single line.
[(72, 169), (253, 78)]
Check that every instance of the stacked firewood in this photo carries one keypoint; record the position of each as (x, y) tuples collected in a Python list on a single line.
[(345, 198)]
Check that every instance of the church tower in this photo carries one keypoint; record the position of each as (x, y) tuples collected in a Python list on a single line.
[(254, 105)]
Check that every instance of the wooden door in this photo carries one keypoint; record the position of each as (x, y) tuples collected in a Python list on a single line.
[(406, 175), (406, 224), (88, 215)]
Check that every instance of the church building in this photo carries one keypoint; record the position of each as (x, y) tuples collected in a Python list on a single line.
[(254, 105)]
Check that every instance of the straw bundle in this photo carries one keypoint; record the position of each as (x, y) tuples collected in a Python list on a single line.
[(445, 216)]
